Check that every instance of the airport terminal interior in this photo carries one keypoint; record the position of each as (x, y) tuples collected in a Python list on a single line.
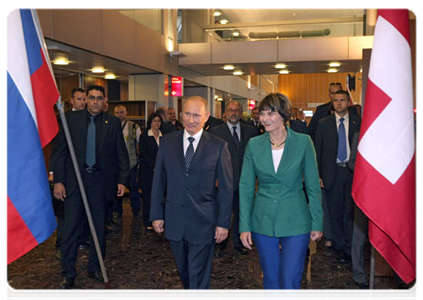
[(147, 58)]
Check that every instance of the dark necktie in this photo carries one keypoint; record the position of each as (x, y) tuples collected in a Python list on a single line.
[(235, 136), (342, 141), (90, 155), (190, 152)]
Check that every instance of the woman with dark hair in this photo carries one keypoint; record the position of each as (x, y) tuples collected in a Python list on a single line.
[(149, 145), (277, 217)]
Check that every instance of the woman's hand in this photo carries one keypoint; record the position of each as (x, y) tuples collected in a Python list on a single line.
[(315, 236), (246, 240)]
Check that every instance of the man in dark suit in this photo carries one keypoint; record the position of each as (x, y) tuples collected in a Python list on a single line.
[(212, 122), (195, 214), (255, 120), (333, 139), (237, 134), (171, 116), (166, 126), (298, 126), (104, 165), (324, 110)]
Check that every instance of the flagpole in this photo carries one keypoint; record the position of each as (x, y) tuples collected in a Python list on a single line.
[(59, 105), (372, 269)]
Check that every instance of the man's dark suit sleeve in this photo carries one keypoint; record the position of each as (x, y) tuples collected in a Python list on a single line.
[(59, 153), (224, 172), (318, 144), (159, 187)]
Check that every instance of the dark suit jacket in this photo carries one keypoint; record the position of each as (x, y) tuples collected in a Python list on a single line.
[(237, 153), (193, 207), (323, 111), (212, 122), (112, 156), (148, 154), (178, 125), (298, 126), (167, 128), (326, 144)]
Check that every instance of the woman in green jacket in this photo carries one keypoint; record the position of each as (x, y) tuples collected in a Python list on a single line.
[(277, 217)]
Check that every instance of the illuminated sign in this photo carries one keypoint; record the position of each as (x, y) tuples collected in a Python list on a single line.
[(177, 87), (251, 104)]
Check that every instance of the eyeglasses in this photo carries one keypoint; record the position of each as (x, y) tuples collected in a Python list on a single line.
[(99, 98)]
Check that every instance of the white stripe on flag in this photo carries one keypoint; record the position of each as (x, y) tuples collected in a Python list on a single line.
[(17, 60), (388, 143)]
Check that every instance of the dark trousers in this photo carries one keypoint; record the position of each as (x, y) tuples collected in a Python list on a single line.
[(134, 195), (282, 259), (235, 224), (74, 208), (146, 205), (194, 263), (361, 225), (341, 209)]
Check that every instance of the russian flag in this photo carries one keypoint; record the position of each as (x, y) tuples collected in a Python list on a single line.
[(31, 124)]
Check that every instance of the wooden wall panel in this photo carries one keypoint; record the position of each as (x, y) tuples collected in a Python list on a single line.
[(306, 91)]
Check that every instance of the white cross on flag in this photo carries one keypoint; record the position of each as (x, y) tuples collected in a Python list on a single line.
[(384, 185)]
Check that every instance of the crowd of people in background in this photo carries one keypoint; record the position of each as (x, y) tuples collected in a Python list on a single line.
[(281, 183)]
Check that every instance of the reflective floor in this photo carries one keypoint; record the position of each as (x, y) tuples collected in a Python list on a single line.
[(137, 259)]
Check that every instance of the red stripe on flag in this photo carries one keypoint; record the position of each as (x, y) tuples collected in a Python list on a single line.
[(399, 18), (393, 210), (19, 238), (45, 95)]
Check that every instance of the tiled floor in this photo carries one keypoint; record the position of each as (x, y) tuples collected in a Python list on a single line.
[(140, 266)]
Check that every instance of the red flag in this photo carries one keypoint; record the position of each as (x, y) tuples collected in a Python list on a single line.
[(384, 184)]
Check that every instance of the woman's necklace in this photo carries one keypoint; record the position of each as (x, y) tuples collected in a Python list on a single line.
[(278, 144)]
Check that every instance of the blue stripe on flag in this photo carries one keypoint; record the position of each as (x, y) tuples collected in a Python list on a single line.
[(33, 47), (27, 183)]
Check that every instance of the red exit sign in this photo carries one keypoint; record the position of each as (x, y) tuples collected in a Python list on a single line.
[(177, 87)]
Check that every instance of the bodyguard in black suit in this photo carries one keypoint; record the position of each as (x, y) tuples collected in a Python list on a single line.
[(104, 165), (195, 214), (333, 139), (236, 142), (298, 126), (212, 122)]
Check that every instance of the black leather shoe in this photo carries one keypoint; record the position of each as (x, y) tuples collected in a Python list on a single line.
[(67, 283), (362, 285), (242, 250), (343, 257), (96, 275)]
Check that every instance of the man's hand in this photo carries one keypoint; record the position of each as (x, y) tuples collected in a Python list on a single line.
[(246, 240), (121, 189), (220, 234), (321, 183), (158, 226), (59, 191)]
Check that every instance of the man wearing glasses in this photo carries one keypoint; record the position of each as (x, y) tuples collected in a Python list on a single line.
[(104, 165), (237, 134)]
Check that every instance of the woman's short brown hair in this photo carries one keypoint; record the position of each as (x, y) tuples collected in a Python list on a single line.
[(277, 102)]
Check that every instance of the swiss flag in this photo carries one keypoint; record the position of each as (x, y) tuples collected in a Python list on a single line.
[(384, 184)]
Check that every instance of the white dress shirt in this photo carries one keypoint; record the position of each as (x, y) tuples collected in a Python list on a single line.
[(196, 136)]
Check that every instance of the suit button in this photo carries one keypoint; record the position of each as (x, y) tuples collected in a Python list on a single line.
[(274, 201), (186, 174), (276, 191)]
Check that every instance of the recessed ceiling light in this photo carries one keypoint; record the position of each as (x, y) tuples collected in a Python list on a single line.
[(98, 70), (235, 33), (223, 21), (217, 14), (334, 64), (283, 72), (332, 70), (110, 76), (228, 67), (219, 99), (280, 66), (237, 73), (61, 62)]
